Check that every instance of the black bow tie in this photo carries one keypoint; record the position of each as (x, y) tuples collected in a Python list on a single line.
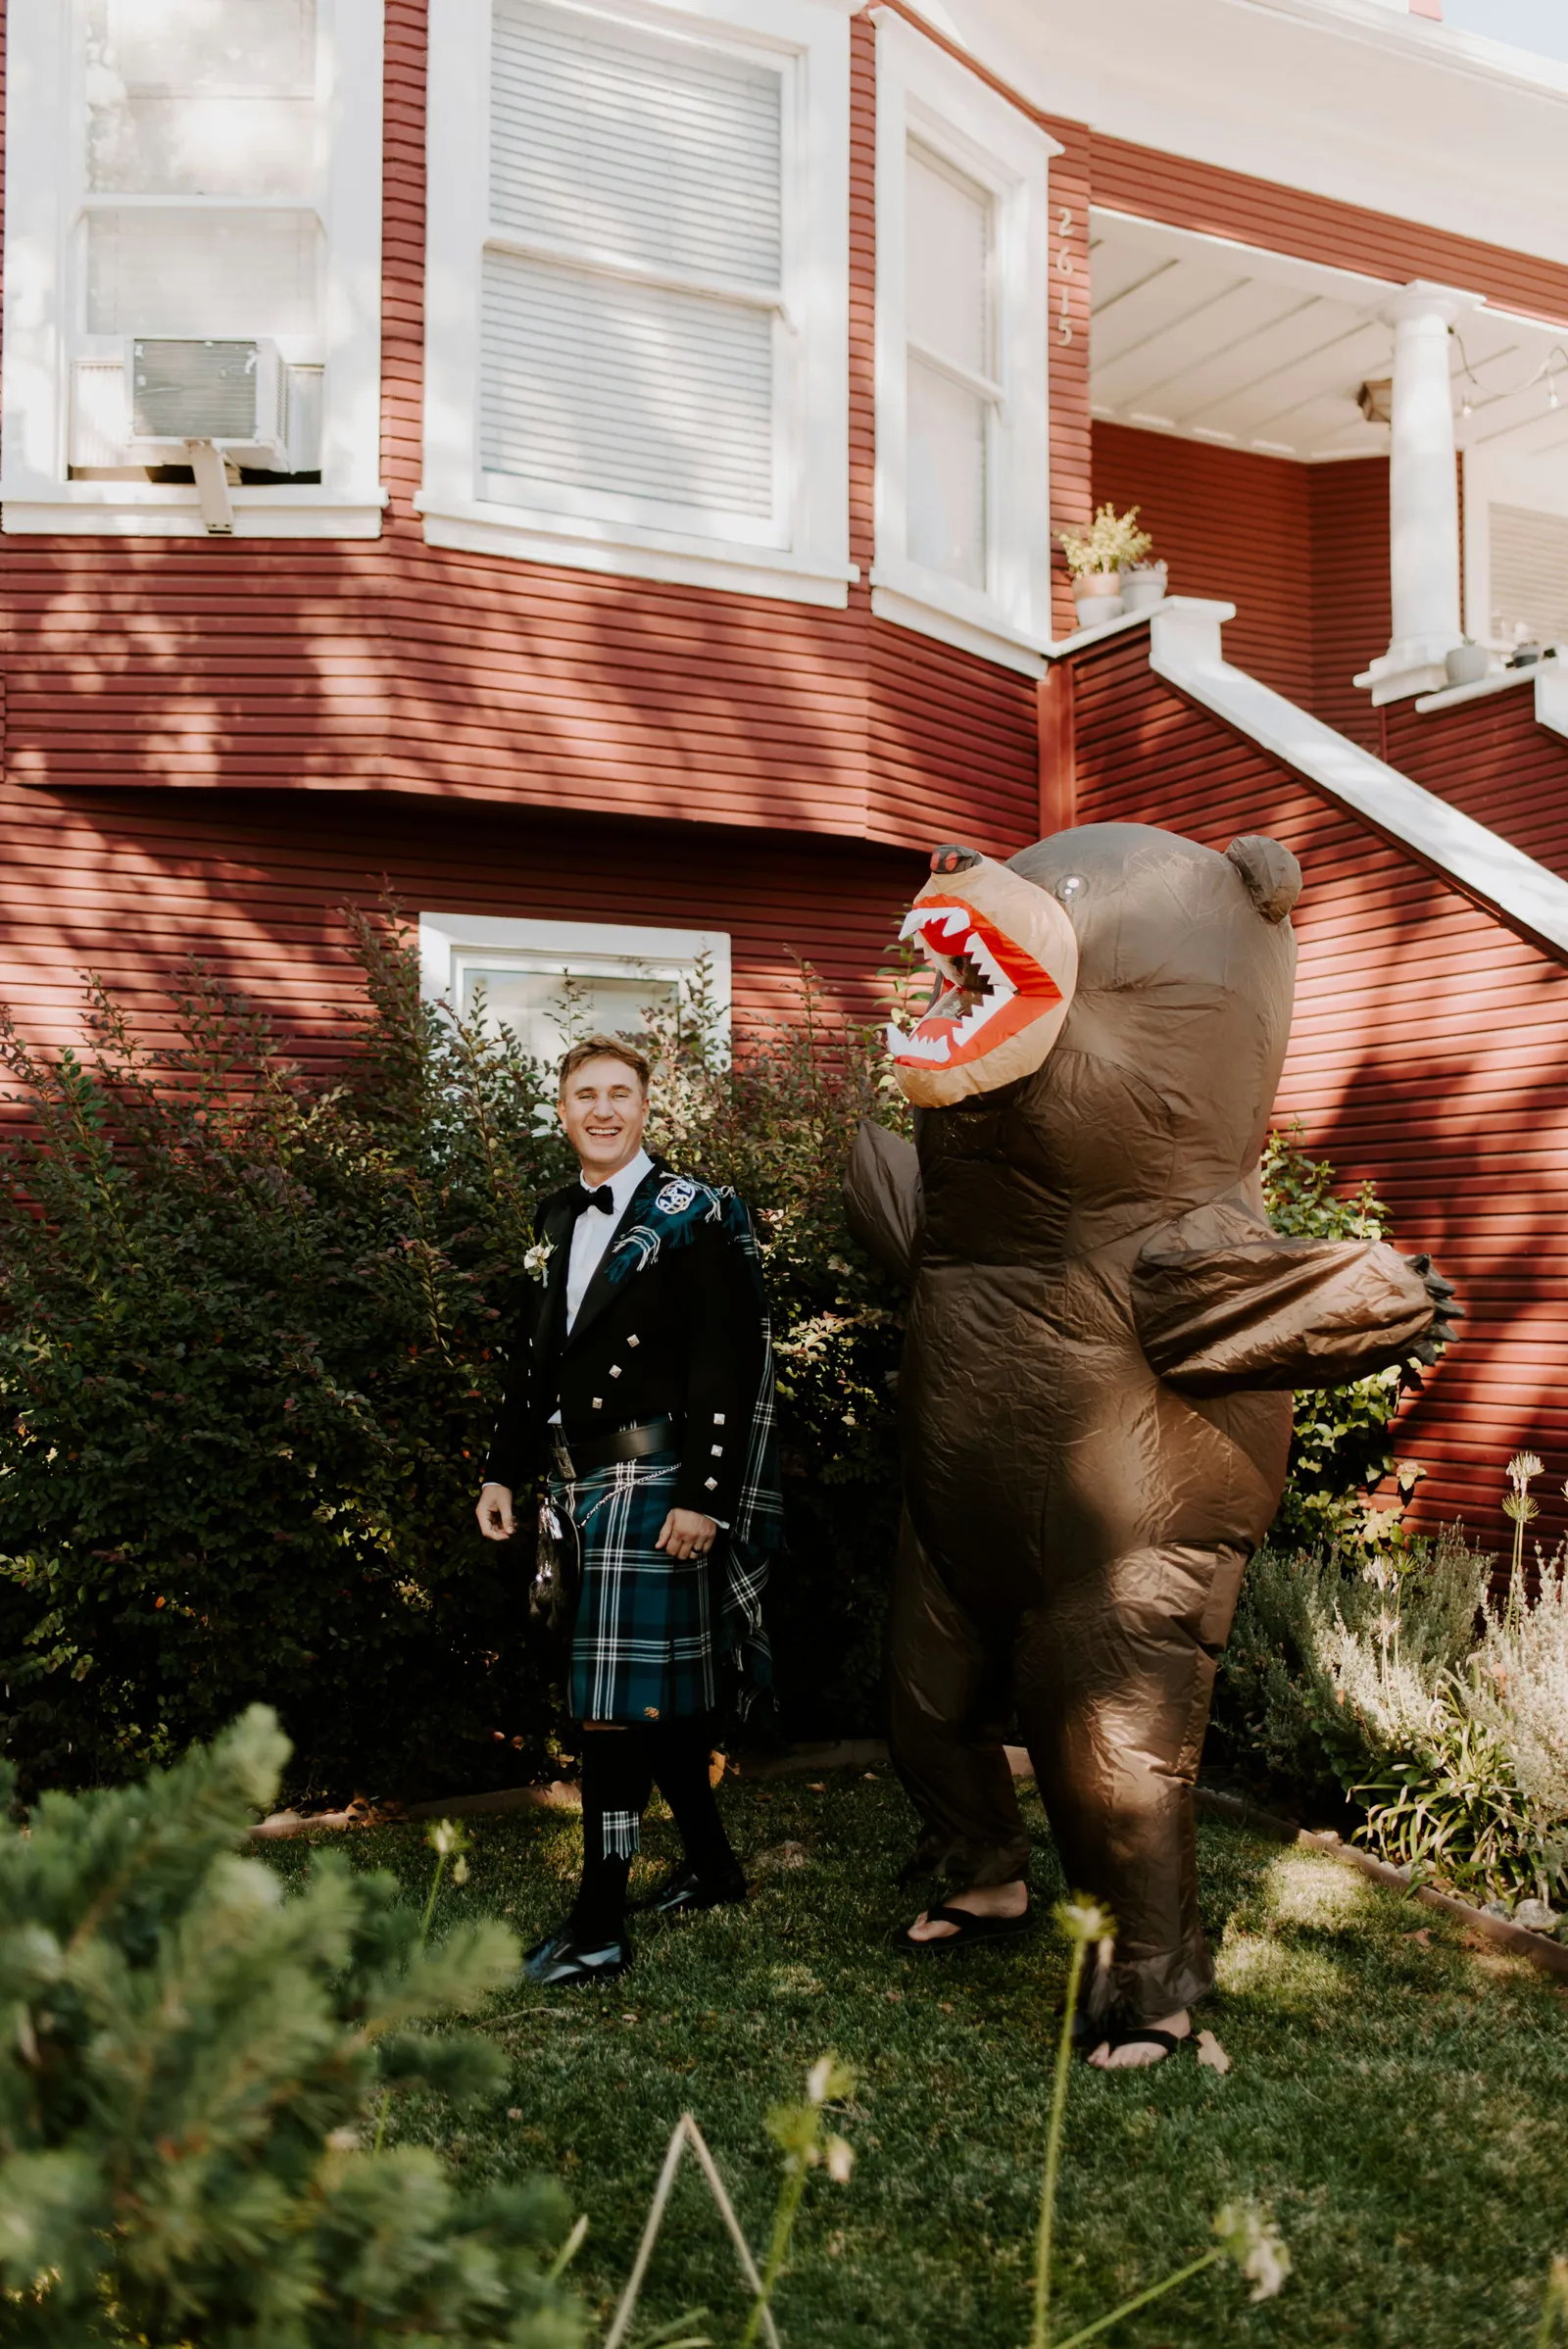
[(604, 1197)]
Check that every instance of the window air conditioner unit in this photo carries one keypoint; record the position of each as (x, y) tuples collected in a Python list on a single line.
[(229, 394)]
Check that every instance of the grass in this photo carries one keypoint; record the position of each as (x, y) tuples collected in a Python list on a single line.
[(1401, 2102)]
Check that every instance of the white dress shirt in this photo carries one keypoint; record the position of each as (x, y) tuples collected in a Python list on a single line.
[(594, 1230)]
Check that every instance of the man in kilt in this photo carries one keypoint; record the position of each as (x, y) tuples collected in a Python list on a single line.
[(644, 1400)]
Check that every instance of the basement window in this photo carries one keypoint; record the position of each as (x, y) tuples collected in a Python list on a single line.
[(962, 481), (189, 200), (551, 982)]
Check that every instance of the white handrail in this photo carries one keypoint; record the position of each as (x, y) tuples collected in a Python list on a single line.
[(1184, 648)]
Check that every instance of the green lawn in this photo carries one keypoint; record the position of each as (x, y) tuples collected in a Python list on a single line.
[(1402, 2104)]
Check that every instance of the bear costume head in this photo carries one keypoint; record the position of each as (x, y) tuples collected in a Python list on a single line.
[(1127, 991)]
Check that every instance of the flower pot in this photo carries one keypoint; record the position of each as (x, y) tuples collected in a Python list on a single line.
[(1466, 664), (1096, 598), (1143, 586)]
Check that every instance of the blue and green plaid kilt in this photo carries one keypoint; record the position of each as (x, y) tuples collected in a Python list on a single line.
[(642, 1647)]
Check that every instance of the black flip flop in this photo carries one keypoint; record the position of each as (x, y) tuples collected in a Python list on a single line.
[(969, 1929)]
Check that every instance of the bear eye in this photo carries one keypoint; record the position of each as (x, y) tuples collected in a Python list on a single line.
[(1072, 887)]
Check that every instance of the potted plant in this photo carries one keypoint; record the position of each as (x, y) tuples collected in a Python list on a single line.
[(1144, 585), (1097, 559), (1466, 664)]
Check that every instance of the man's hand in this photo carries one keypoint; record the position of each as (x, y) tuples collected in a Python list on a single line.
[(685, 1534), (494, 1512)]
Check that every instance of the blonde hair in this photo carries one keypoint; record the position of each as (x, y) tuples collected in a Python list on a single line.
[(605, 1047)]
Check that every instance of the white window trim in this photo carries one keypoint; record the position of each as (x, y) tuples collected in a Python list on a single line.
[(813, 566), (921, 89), (41, 125), (595, 948), (1502, 477)]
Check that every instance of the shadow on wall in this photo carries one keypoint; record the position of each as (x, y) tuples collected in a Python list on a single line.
[(1424, 1056)]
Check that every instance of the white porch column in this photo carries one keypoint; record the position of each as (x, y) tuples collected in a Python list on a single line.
[(1423, 494)]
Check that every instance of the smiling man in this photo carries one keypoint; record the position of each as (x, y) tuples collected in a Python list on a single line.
[(642, 1399)]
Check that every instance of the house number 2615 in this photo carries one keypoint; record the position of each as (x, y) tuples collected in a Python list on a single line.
[(1065, 269)]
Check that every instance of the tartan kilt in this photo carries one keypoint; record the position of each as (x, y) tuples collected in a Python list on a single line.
[(642, 1645)]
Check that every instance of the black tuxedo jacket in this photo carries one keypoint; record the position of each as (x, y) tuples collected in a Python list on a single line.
[(681, 1338)]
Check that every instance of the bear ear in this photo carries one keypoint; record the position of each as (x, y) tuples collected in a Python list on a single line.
[(1272, 875)]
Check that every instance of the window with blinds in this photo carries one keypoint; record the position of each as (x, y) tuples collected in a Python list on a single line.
[(199, 205), (1529, 575), (963, 357), (953, 391), (632, 285)]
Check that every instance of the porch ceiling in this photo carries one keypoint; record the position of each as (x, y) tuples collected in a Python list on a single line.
[(1221, 342)]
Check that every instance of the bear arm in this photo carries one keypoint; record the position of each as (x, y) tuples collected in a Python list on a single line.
[(1242, 1307), (882, 1197)]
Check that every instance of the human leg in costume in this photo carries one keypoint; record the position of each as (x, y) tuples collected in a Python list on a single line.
[(1114, 1680), (947, 1705)]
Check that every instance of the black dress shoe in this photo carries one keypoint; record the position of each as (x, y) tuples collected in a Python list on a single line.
[(560, 1961), (692, 1888)]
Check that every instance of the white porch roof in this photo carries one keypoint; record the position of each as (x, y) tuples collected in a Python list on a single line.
[(1222, 342)]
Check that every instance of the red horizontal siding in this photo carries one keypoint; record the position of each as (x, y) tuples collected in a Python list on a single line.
[(1426, 1055), (1353, 612), (390, 666), (1301, 550), (1230, 523), (1216, 202), (1491, 759), (130, 884)]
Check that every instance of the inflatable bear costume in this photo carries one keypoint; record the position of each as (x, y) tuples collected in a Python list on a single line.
[(1104, 1332)]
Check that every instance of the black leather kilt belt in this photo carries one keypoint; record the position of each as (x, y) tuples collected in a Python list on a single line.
[(579, 1456)]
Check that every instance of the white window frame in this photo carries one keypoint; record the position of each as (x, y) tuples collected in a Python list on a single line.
[(449, 941), (1501, 476), (45, 142), (922, 93), (809, 561)]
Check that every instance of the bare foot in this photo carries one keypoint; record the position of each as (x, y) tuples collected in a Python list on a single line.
[(980, 1900), (1139, 2056)]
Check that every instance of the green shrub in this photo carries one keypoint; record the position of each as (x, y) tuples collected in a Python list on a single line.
[(251, 1337), (251, 1330), (1340, 1447), (189, 2068)]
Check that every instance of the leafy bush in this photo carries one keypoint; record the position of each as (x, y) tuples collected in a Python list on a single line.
[(1339, 1448), (251, 1328), (251, 1337), (187, 2070)]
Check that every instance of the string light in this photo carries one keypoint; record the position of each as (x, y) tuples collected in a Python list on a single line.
[(1556, 356)]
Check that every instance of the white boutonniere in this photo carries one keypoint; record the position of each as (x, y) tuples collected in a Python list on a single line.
[(536, 1263)]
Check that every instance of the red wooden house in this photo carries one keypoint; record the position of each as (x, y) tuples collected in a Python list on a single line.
[(596, 465)]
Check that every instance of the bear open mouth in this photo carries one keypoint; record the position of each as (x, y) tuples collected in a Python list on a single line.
[(988, 978), (1007, 955)]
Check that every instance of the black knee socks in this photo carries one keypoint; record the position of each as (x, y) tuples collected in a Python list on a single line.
[(679, 1752), (616, 1780), (619, 1767)]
